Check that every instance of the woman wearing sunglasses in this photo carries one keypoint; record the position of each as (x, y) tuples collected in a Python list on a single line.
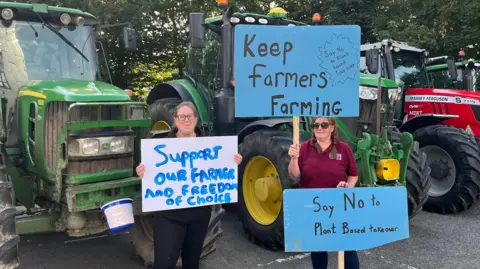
[(324, 162)]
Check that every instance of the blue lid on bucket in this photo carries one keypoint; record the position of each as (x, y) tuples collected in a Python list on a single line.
[(125, 224), (116, 202)]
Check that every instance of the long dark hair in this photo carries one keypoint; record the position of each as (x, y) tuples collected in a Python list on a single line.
[(334, 137)]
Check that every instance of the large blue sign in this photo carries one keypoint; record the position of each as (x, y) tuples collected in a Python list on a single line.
[(297, 71), (343, 219)]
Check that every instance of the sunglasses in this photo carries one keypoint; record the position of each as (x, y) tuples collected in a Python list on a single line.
[(324, 125)]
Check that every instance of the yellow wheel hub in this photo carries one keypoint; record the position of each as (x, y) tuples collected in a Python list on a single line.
[(161, 126), (262, 190)]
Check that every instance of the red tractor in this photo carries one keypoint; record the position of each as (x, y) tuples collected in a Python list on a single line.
[(441, 108)]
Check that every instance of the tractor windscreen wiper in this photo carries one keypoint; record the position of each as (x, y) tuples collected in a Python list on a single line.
[(65, 39)]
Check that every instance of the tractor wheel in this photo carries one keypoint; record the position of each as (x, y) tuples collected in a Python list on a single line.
[(161, 113), (453, 157), (142, 236), (263, 175), (9, 240), (418, 180), (418, 177)]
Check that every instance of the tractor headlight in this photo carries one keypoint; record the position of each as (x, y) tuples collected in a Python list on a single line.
[(100, 146), (118, 144), (370, 93), (90, 146)]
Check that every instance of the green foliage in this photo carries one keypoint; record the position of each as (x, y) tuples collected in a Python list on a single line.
[(148, 75), (443, 27)]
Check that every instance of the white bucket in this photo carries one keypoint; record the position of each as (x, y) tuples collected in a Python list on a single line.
[(119, 215)]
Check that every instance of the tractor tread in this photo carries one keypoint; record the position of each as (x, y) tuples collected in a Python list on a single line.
[(9, 240), (162, 109), (418, 180), (464, 151)]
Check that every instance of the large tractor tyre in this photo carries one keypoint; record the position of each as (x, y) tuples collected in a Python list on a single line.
[(418, 180), (142, 235), (418, 177), (263, 175), (161, 113), (452, 154), (9, 240)]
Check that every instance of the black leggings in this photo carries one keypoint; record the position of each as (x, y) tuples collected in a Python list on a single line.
[(320, 260), (180, 232)]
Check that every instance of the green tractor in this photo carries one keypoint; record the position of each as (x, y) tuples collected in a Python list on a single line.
[(69, 142), (384, 156), (467, 75), (441, 126)]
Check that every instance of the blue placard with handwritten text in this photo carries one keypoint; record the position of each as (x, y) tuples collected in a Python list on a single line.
[(343, 219), (297, 71)]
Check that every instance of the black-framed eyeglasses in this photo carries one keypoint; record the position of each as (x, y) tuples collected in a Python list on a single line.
[(184, 117), (324, 125)]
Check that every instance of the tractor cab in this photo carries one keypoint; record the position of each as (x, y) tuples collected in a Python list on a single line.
[(397, 61), (445, 73)]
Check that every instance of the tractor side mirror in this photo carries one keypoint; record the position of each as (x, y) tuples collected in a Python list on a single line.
[(197, 30), (452, 68), (129, 38), (372, 60)]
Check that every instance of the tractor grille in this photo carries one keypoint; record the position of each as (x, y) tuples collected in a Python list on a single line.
[(368, 115), (56, 118)]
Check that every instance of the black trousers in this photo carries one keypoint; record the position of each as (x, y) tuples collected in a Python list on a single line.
[(180, 233), (320, 260)]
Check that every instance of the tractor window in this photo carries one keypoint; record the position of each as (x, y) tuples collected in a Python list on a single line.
[(33, 52), (409, 72), (441, 79)]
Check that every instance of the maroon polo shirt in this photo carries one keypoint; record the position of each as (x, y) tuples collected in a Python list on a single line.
[(319, 171)]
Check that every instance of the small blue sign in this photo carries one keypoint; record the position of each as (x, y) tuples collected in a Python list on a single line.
[(343, 219), (297, 71)]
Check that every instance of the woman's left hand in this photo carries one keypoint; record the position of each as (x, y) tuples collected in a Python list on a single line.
[(238, 158), (342, 184)]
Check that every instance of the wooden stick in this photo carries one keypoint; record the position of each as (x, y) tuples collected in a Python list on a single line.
[(296, 130), (341, 260)]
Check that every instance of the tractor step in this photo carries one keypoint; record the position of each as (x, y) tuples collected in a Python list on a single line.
[(93, 196)]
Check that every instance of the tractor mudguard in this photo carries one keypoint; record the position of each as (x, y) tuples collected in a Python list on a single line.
[(182, 89), (257, 125), (424, 120), (169, 89)]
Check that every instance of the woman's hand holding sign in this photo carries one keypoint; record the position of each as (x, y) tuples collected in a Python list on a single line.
[(140, 170), (293, 152), (238, 158)]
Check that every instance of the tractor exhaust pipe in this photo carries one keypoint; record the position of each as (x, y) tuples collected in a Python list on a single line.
[(224, 101)]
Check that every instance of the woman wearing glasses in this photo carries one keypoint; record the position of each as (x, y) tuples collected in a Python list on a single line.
[(181, 231), (325, 162)]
